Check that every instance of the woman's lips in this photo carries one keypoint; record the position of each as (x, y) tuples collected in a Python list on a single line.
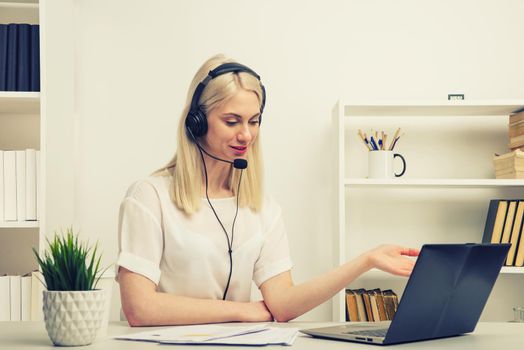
[(239, 150)]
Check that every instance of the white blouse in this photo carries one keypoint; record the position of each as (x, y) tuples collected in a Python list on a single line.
[(188, 255)]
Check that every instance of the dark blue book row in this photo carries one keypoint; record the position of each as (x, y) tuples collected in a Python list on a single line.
[(19, 57)]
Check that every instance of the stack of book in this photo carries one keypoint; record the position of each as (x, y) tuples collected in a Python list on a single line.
[(19, 57), (20, 298), (516, 131), (370, 305), (19, 185), (504, 225), (509, 165)]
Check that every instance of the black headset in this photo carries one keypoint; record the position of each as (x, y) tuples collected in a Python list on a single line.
[(196, 120), (196, 126)]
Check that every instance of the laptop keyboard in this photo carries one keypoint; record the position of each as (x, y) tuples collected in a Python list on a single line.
[(371, 332)]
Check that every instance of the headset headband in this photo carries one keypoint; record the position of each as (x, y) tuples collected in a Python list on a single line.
[(224, 69)]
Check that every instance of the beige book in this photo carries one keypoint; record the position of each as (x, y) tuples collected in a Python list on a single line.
[(516, 141), (351, 305), (519, 259), (362, 316), (512, 175), (499, 222), (515, 233), (374, 306), (517, 117), (513, 154), (508, 225), (507, 168), (516, 130)]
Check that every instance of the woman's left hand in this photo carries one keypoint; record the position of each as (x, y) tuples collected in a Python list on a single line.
[(392, 259)]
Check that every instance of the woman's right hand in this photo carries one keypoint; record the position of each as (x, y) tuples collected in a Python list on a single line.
[(256, 311)]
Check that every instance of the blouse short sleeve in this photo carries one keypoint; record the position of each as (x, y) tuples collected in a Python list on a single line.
[(140, 232), (274, 255)]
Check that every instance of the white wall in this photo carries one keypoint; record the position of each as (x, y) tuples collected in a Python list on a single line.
[(134, 61)]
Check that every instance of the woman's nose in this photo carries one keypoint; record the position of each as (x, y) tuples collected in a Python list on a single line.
[(245, 135)]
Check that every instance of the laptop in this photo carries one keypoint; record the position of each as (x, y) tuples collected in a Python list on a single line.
[(444, 297)]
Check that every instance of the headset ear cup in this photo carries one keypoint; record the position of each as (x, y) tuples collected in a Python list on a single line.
[(196, 123), (201, 122)]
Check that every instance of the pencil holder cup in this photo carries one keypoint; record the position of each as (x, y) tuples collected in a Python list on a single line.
[(519, 313), (381, 165)]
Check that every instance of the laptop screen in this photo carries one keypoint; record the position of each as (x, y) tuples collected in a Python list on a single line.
[(447, 291)]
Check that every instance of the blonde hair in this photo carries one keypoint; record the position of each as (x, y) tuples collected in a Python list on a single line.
[(186, 165)]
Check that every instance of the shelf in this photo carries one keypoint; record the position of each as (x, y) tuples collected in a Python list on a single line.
[(378, 274), (474, 183), (19, 11), (32, 4), (21, 224), (430, 108), (512, 270), (19, 102)]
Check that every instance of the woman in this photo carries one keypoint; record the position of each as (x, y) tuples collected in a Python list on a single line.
[(194, 235)]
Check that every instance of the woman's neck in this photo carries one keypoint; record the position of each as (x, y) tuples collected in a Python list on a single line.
[(218, 174)]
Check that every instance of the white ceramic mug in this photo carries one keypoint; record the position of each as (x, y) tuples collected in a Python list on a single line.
[(381, 165)]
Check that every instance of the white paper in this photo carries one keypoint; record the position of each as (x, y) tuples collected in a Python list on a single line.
[(214, 334), (268, 336)]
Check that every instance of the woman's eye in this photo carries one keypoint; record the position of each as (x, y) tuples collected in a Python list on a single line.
[(254, 122), (231, 122)]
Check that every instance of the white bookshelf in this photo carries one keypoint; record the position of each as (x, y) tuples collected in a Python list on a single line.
[(448, 146), (21, 126), (400, 182), (21, 224), (378, 274), (430, 108)]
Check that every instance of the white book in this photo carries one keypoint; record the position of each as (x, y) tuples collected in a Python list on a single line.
[(20, 186), (14, 286), (36, 297), (9, 185), (38, 195), (30, 184), (25, 298), (5, 303), (1, 186)]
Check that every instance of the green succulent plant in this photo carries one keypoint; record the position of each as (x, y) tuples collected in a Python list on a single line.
[(68, 264)]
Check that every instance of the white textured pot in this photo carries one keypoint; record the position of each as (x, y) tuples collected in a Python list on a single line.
[(73, 317)]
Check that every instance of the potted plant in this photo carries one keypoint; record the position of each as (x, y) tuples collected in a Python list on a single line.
[(73, 307)]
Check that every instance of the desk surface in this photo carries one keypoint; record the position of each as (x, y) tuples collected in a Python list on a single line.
[(32, 335)]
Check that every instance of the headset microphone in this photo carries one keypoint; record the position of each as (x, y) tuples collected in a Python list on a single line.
[(240, 163), (237, 163)]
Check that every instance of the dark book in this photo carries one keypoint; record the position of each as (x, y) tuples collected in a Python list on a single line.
[(380, 304), (391, 303), (12, 56), (495, 221), (35, 58), (3, 57), (24, 56)]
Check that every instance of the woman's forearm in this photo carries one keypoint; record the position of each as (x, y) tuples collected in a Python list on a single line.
[(144, 306), (296, 300), (159, 309)]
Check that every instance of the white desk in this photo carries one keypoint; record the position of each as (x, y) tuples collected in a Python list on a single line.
[(32, 335)]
